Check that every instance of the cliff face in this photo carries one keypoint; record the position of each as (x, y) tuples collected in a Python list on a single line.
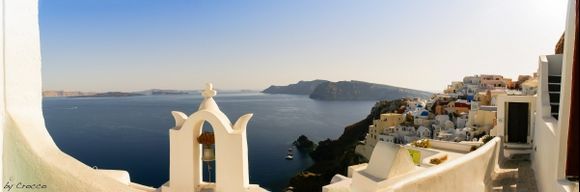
[(358, 90), (334, 156), (300, 88)]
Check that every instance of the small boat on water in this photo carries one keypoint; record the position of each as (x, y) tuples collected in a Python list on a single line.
[(290, 155)]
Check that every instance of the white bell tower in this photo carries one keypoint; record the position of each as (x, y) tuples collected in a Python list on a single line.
[(185, 160)]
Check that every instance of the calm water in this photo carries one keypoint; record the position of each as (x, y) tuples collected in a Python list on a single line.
[(131, 133)]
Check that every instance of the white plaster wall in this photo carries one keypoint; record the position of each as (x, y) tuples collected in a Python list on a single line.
[(2, 104), (471, 172), (566, 89), (29, 154), (549, 157), (544, 156)]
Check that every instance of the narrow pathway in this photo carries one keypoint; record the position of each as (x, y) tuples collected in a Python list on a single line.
[(515, 174)]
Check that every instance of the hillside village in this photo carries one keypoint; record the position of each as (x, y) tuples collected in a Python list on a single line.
[(465, 111)]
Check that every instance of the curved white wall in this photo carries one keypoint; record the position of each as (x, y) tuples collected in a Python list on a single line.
[(471, 172), (29, 154)]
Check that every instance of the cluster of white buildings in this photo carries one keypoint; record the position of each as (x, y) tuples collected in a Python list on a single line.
[(533, 117), (465, 111)]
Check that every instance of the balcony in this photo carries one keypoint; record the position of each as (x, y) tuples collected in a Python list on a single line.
[(391, 168)]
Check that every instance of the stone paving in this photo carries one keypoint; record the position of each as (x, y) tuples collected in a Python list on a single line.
[(515, 174)]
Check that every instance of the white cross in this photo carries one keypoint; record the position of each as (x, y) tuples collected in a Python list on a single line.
[(208, 92)]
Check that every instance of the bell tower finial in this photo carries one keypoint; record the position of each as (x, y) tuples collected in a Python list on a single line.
[(208, 92), (208, 101)]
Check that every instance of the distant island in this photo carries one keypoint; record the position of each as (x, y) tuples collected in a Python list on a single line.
[(66, 93), (166, 92), (346, 90), (52, 93), (111, 94), (300, 88)]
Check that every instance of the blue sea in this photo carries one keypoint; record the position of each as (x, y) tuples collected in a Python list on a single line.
[(131, 133)]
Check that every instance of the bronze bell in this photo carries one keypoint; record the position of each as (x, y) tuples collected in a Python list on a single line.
[(207, 140)]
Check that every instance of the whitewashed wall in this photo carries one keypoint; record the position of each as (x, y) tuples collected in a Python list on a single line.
[(549, 158), (29, 154), (470, 172), (2, 104)]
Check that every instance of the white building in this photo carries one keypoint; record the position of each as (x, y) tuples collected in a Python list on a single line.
[(471, 85), (416, 104), (530, 87), (461, 121), (424, 132)]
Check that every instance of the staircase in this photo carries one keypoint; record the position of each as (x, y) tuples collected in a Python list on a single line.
[(554, 91)]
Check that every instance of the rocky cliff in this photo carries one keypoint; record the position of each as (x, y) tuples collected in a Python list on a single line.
[(334, 156)]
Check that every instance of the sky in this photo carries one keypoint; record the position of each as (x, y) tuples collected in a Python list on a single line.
[(130, 45)]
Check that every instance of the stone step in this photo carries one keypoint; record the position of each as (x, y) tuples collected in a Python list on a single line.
[(521, 146), (517, 154), (554, 109), (554, 97), (554, 87), (521, 156), (554, 79)]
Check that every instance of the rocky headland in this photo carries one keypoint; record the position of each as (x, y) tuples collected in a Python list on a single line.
[(334, 156), (346, 91)]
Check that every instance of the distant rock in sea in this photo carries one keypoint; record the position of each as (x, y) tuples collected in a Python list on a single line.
[(300, 88), (359, 90), (303, 143)]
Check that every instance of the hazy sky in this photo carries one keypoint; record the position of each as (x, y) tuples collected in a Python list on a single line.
[(98, 45)]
